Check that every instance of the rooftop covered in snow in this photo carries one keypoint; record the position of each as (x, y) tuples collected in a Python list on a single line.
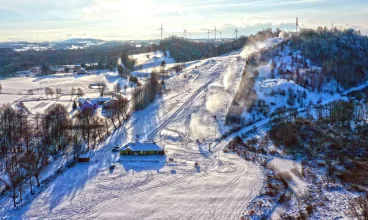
[(138, 146)]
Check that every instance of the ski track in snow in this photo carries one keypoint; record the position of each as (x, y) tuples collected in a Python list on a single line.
[(220, 189)]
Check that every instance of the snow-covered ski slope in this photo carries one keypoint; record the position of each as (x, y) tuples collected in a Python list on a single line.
[(149, 188)]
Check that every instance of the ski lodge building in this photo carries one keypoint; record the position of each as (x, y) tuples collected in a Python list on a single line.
[(139, 148)]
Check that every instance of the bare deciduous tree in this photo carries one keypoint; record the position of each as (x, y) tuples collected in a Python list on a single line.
[(72, 93), (101, 87), (47, 92), (12, 180), (80, 92), (58, 93), (117, 88)]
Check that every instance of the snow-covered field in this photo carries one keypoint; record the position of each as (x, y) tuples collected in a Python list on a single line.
[(30, 90), (147, 187)]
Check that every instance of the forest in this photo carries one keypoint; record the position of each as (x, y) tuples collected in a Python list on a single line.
[(27, 143), (183, 50), (106, 55), (342, 54)]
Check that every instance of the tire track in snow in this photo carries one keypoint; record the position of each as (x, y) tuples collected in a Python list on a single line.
[(186, 105)]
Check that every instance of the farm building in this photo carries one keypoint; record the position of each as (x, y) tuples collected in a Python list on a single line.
[(110, 104), (139, 148), (88, 105), (100, 100), (84, 158), (94, 101)]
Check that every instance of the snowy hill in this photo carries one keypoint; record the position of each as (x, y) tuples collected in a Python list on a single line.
[(187, 120)]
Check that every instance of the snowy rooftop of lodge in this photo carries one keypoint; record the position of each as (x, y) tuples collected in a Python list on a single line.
[(94, 100), (138, 146)]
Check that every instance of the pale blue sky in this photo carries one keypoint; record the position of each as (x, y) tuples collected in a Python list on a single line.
[(49, 20)]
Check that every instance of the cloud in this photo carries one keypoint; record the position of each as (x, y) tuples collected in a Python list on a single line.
[(131, 7), (140, 19), (10, 16)]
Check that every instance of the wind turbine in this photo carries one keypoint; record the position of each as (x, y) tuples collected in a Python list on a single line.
[(297, 24), (185, 33), (220, 33), (236, 32), (208, 33), (161, 29), (215, 30)]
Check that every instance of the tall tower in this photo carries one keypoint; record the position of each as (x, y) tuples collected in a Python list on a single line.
[(297, 24)]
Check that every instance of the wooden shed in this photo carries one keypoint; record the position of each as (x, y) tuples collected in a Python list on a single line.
[(84, 158)]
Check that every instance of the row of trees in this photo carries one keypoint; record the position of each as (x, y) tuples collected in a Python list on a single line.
[(50, 92), (183, 50), (147, 93), (340, 112)]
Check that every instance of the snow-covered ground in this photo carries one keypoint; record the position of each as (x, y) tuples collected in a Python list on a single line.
[(153, 59), (147, 187), (30, 90), (298, 185), (274, 88)]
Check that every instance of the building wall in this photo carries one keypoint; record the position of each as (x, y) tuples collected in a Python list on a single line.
[(142, 153)]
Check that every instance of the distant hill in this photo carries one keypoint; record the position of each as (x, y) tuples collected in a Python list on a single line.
[(183, 50), (81, 40)]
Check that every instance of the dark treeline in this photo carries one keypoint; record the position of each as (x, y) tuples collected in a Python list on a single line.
[(183, 50), (343, 55), (325, 132), (147, 93), (293, 130), (106, 55)]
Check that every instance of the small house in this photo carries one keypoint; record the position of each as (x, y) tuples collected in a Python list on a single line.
[(139, 148), (112, 103), (88, 105), (84, 158), (82, 71), (100, 100), (81, 101)]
